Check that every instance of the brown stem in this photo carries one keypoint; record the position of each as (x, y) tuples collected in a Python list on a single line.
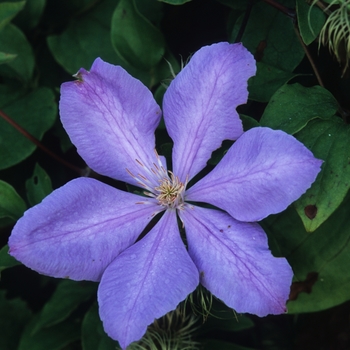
[(244, 21), (307, 52), (39, 144), (312, 63), (286, 10), (324, 8)]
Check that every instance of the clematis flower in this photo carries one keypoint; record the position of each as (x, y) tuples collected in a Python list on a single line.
[(87, 230)]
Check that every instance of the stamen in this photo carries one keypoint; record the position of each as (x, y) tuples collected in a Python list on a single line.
[(170, 191), (142, 184), (149, 194), (142, 177), (139, 162), (183, 224), (130, 173)]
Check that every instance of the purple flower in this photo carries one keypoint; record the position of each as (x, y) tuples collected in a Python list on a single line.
[(86, 230)]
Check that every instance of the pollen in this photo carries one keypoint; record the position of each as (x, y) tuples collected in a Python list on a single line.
[(170, 192), (160, 184)]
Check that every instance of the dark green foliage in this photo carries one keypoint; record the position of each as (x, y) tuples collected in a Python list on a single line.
[(42, 43)]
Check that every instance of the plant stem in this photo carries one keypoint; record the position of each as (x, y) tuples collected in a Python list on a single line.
[(286, 10), (244, 21), (39, 144), (307, 52)]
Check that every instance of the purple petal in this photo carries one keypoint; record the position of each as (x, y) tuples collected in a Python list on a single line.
[(200, 104), (235, 263), (79, 229), (111, 118), (262, 173), (145, 282)]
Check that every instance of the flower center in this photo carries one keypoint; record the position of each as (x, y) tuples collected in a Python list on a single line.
[(170, 192)]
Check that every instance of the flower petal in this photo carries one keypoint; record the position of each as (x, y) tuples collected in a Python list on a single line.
[(262, 173), (200, 104), (145, 282), (111, 118), (235, 263), (79, 229)]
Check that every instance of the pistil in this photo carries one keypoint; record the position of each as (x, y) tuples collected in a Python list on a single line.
[(170, 192)]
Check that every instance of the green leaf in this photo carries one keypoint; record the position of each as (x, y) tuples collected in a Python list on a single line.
[(5, 222), (93, 335), (77, 7), (320, 260), (8, 10), (53, 338), (7, 260), (14, 315), (11, 204), (6, 57), (158, 96), (270, 37), (163, 71), (13, 41), (293, 106), (310, 21), (217, 155), (9, 94), (91, 329), (31, 14), (248, 122), (61, 134), (267, 81), (328, 140), (88, 37), (38, 186), (150, 9), (136, 39), (66, 298), (35, 113)]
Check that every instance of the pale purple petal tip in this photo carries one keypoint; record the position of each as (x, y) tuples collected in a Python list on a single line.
[(235, 263), (145, 282), (111, 118), (261, 174), (200, 104), (79, 229)]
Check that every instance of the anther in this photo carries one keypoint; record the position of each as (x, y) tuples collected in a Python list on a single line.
[(130, 173), (139, 162)]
